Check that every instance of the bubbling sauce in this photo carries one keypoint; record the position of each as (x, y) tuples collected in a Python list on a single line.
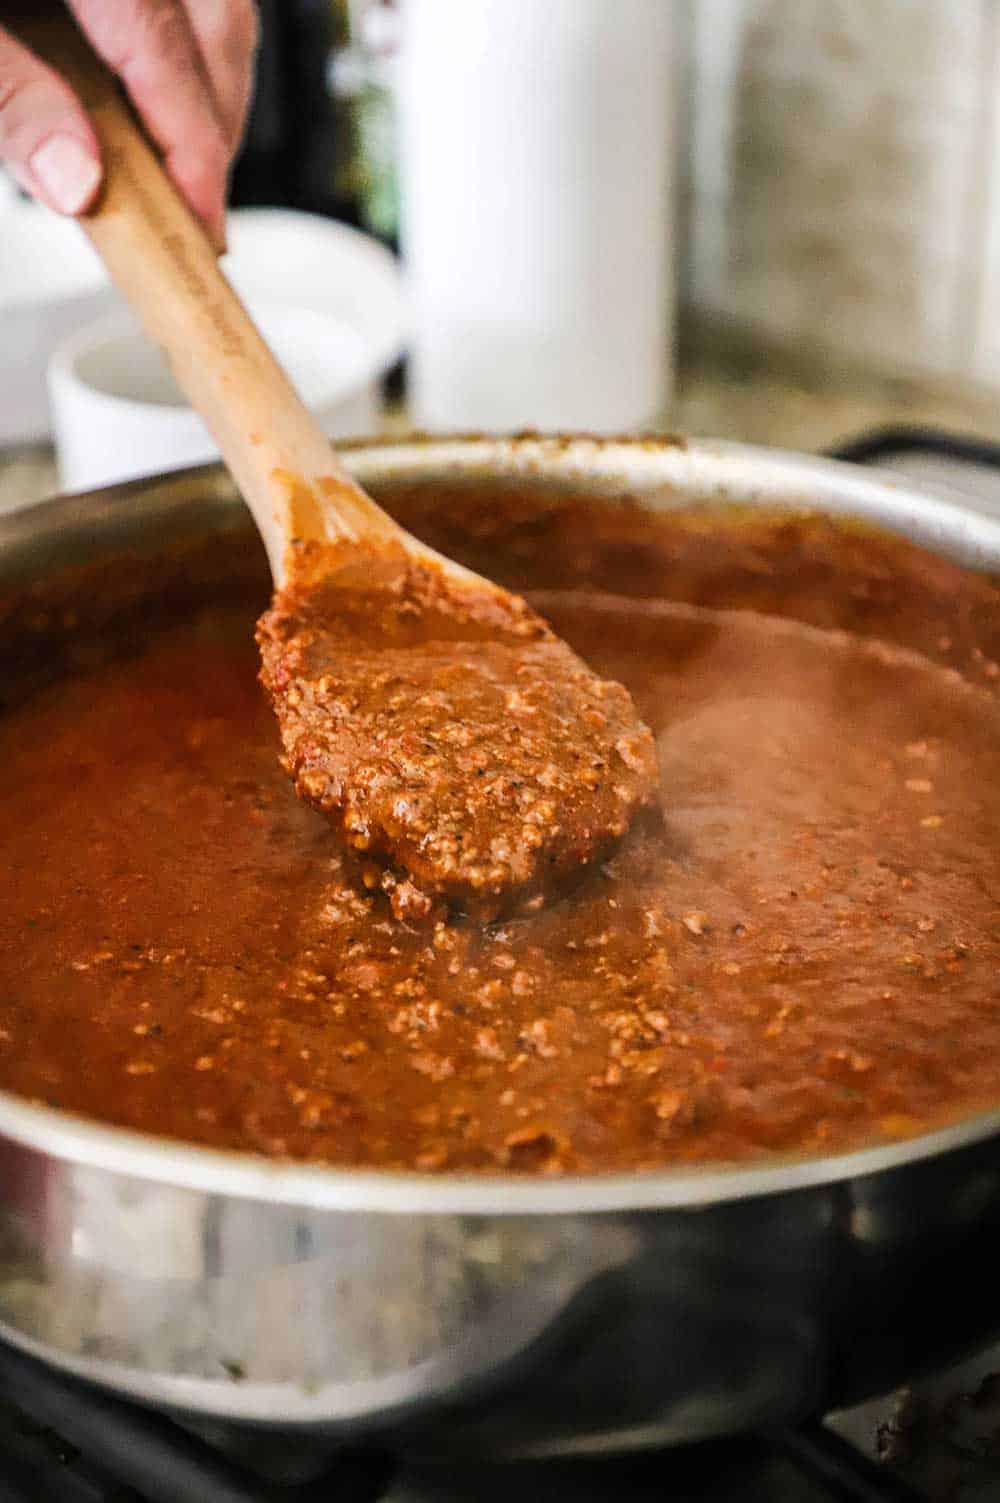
[(798, 951)]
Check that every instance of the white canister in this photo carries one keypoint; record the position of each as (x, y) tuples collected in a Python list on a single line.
[(536, 146)]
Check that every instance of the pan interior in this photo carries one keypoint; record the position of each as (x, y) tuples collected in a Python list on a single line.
[(712, 559)]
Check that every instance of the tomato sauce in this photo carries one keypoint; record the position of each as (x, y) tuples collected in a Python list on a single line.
[(797, 949)]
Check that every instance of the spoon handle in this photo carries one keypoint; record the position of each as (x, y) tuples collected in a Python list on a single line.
[(160, 257)]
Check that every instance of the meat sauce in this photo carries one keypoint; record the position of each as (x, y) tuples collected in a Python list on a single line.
[(449, 735), (798, 950)]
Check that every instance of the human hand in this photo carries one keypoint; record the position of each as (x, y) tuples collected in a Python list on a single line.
[(187, 66)]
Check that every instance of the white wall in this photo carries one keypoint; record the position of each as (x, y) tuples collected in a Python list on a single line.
[(842, 184)]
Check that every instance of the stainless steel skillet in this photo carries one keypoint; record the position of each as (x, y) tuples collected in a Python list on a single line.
[(510, 1314)]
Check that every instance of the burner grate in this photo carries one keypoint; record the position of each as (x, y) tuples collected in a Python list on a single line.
[(847, 1475), (64, 1441)]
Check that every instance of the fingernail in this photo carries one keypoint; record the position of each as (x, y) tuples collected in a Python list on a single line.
[(66, 173)]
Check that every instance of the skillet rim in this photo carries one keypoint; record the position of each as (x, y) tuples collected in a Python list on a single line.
[(714, 472)]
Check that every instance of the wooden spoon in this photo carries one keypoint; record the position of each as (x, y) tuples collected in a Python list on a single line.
[(433, 717), (161, 259)]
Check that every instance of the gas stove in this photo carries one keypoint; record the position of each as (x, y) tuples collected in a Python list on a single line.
[(64, 1442), (935, 1441)]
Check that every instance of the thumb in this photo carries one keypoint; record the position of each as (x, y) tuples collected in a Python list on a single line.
[(45, 137)]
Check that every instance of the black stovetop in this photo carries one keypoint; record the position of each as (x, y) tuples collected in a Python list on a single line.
[(937, 1441), (66, 1442), (62, 1441)]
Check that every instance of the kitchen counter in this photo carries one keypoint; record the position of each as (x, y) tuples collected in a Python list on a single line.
[(729, 386), (725, 388)]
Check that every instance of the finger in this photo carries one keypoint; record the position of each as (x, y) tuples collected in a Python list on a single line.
[(226, 33), (45, 136), (149, 44)]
